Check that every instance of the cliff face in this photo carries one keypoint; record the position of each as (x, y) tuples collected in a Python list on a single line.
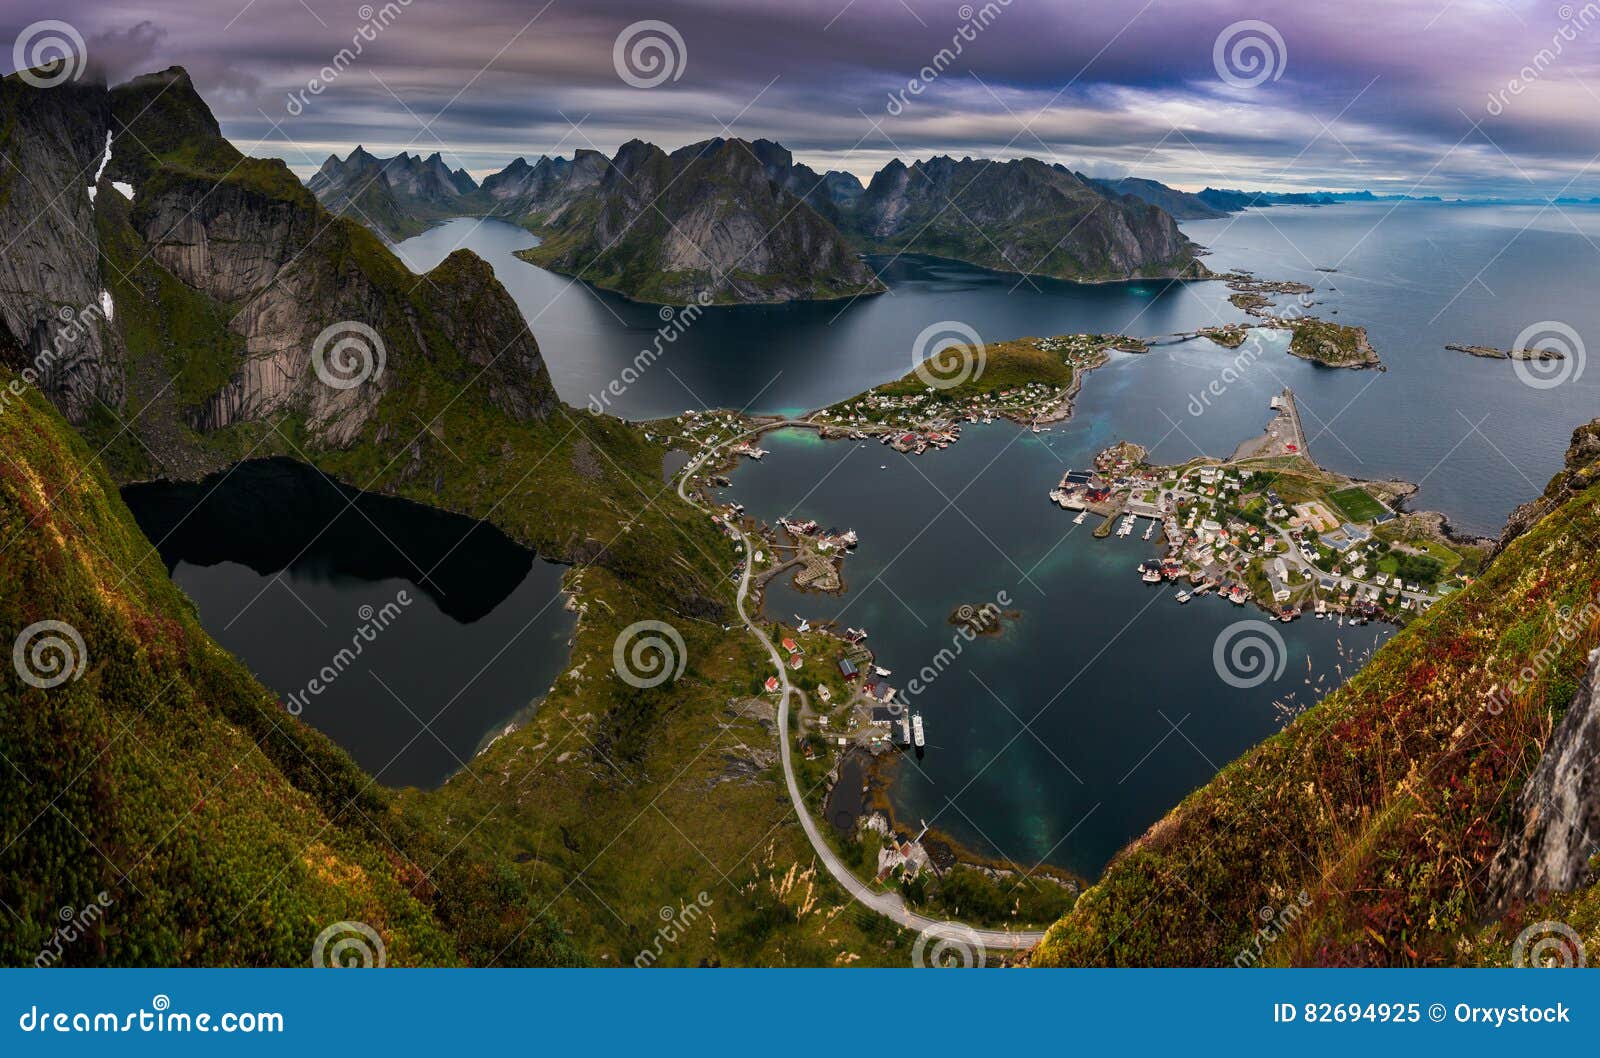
[(51, 311), (1019, 216), (1580, 471), (229, 257), (707, 221), (1555, 822)]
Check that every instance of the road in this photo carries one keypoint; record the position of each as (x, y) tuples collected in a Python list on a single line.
[(890, 905)]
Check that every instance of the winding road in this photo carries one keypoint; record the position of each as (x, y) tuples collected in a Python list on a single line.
[(888, 904)]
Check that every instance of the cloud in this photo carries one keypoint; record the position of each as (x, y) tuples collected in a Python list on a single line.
[(1373, 93)]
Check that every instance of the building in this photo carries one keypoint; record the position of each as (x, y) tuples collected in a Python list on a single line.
[(847, 669), (772, 684)]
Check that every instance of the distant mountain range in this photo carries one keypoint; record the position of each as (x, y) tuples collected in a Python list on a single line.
[(730, 220)]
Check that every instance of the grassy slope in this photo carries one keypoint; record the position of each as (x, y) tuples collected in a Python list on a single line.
[(221, 830), (612, 802), (1383, 803)]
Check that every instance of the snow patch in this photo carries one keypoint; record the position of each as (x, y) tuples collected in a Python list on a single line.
[(105, 303), (105, 160), (125, 188)]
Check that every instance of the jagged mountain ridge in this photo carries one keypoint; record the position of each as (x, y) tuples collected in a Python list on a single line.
[(1017, 216), (397, 196)]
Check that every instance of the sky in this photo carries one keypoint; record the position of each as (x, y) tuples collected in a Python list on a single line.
[(1451, 97)]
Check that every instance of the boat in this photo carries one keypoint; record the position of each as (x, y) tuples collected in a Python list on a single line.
[(1182, 596), (850, 539), (1081, 516), (1150, 530), (881, 671), (917, 737), (1150, 573)]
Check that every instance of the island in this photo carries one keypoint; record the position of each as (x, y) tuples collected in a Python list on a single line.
[(1332, 344), (1489, 352)]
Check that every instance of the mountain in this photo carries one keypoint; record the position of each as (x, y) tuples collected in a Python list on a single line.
[(221, 828), (1018, 216), (1446, 784), (151, 777), (398, 196), (1233, 201), (1183, 205), (707, 221)]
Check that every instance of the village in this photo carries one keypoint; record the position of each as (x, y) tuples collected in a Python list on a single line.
[(1269, 527)]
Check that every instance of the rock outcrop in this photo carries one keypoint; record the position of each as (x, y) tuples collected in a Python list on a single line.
[(1555, 822), (1581, 469)]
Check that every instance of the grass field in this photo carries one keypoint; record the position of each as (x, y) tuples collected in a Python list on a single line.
[(1356, 505)]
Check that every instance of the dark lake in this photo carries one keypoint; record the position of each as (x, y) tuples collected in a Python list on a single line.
[(449, 629)]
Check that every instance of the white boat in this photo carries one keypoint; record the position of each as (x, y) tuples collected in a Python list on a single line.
[(881, 671), (917, 737), (1081, 516), (1150, 531), (1182, 596)]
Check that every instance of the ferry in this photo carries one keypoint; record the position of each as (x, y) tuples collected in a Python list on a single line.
[(917, 737)]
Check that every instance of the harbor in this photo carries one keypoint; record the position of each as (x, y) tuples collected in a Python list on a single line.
[(1267, 526)]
